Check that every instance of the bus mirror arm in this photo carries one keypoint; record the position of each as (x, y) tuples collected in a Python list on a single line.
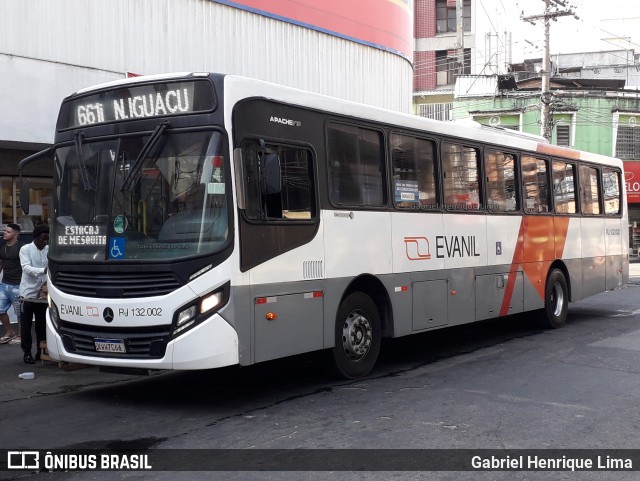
[(27, 160), (25, 186)]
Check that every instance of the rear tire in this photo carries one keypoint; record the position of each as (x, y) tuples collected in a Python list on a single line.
[(556, 300), (358, 336)]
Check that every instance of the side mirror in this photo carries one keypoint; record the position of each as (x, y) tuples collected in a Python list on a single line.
[(25, 188), (271, 174)]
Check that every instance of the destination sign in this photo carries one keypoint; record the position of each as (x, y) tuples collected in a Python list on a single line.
[(138, 102), (82, 235)]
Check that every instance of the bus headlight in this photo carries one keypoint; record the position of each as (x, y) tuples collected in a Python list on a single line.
[(191, 314), (53, 314), (211, 301), (186, 315)]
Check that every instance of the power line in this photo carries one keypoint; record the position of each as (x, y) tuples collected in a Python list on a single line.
[(561, 8)]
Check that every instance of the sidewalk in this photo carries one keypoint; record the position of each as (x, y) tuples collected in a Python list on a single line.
[(49, 377), (634, 273)]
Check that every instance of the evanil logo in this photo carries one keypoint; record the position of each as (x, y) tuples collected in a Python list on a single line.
[(417, 248)]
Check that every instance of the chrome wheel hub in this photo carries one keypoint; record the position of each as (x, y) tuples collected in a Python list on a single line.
[(357, 336), (557, 299)]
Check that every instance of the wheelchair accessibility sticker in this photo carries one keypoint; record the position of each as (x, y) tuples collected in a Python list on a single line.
[(116, 247)]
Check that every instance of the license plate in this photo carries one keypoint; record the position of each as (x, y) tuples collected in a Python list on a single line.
[(109, 345)]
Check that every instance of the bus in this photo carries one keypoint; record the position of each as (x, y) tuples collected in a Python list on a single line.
[(203, 220)]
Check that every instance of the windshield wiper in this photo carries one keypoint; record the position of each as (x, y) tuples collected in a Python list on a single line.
[(146, 148), (84, 175)]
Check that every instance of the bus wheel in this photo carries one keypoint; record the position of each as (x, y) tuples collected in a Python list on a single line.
[(357, 336), (556, 300)]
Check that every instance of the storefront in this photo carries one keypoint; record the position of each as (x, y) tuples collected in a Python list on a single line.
[(40, 192), (632, 184)]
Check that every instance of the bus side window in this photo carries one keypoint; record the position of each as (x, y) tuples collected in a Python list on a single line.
[(564, 187), (356, 165), (611, 190), (461, 179), (501, 181), (536, 185), (589, 190), (414, 180), (296, 198)]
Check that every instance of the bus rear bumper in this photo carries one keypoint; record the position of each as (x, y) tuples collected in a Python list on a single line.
[(211, 344)]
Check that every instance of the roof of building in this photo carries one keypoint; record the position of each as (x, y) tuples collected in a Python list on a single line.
[(572, 83)]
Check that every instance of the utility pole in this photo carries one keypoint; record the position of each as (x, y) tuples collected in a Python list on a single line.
[(460, 37), (546, 96)]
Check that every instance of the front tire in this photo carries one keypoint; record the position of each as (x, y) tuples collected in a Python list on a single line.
[(556, 300), (358, 336)]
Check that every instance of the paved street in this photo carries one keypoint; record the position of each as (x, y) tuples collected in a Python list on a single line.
[(504, 384), (49, 379)]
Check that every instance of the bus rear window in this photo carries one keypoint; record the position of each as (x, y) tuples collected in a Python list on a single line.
[(611, 189)]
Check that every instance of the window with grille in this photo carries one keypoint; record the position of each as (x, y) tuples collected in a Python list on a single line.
[(436, 111), (628, 143)]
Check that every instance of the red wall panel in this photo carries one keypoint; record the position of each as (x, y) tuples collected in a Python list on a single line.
[(384, 24)]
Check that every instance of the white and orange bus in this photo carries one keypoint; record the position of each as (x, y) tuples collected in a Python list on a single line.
[(207, 220)]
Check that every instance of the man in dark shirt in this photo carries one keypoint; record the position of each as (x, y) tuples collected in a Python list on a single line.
[(11, 276)]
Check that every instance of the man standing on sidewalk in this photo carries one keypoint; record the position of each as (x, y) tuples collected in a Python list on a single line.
[(11, 276), (33, 259)]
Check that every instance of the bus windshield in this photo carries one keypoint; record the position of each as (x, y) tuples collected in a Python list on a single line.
[(152, 196)]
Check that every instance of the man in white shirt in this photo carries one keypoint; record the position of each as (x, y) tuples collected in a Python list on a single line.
[(33, 259)]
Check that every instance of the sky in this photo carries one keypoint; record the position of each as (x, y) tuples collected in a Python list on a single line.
[(602, 25)]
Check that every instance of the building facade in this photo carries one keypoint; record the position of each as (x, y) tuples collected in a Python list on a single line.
[(452, 38), (589, 110)]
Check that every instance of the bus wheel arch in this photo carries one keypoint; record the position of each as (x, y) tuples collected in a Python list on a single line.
[(362, 315), (371, 286), (556, 296), (558, 264)]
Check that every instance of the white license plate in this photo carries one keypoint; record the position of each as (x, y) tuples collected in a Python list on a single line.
[(109, 345)]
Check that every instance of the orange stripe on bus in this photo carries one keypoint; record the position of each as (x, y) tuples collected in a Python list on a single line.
[(515, 263), (541, 240), (551, 149)]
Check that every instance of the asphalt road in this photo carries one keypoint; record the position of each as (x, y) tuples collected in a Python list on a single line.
[(498, 385)]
